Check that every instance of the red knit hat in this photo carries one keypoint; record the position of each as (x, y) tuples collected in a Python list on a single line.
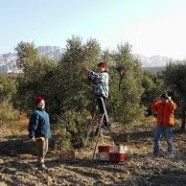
[(102, 64), (38, 99)]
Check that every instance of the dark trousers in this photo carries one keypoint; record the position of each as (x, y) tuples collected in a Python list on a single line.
[(102, 108), (158, 132)]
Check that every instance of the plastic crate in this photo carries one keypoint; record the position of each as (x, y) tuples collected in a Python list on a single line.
[(107, 148), (103, 156), (117, 157)]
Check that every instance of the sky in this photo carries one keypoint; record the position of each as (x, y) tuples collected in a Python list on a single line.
[(152, 27)]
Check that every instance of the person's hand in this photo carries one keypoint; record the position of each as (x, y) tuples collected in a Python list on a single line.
[(33, 140), (169, 99)]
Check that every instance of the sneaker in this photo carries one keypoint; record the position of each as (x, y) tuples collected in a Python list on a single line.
[(43, 166), (171, 155), (156, 155), (40, 164)]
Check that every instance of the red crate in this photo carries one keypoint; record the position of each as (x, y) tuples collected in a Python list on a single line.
[(106, 148), (103, 156), (117, 157)]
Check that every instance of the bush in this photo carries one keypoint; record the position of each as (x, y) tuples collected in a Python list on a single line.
[(8, 115)]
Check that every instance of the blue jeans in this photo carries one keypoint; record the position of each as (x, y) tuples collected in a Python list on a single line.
[(167, 131)]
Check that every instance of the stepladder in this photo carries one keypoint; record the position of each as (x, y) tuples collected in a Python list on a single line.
[(100, 122)]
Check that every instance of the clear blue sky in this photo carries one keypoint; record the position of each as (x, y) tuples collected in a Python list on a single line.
[(150, 26)]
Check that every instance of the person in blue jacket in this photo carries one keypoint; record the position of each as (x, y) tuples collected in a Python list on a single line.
[(39, 129)]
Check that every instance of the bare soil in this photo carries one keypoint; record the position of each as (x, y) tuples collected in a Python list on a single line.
[(18, 162)]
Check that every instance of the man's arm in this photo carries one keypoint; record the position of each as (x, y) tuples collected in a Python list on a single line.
[(172, 105), (93, 75)]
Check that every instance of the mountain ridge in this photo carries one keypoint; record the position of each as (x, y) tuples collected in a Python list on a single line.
[(8, 60)]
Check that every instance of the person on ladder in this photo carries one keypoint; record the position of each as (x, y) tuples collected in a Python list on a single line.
[(101, 81)]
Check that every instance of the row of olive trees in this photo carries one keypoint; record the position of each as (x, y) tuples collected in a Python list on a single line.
[(65, 87), (69, 94)]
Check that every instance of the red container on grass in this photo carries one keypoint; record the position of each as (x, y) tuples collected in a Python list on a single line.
[(106, 148), (103, 156), (117, 157)]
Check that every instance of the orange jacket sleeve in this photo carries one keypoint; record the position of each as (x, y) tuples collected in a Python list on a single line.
[(172, 105)]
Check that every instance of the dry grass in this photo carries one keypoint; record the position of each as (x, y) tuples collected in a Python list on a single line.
[(19, 126)]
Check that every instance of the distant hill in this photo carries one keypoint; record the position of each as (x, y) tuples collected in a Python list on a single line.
[(52, 52), (154, 70), (8, 61), (153, 61)]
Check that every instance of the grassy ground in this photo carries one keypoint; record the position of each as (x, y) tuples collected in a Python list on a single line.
[(18, 162)]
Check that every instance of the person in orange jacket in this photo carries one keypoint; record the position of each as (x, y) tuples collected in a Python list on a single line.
[(165, 109)]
